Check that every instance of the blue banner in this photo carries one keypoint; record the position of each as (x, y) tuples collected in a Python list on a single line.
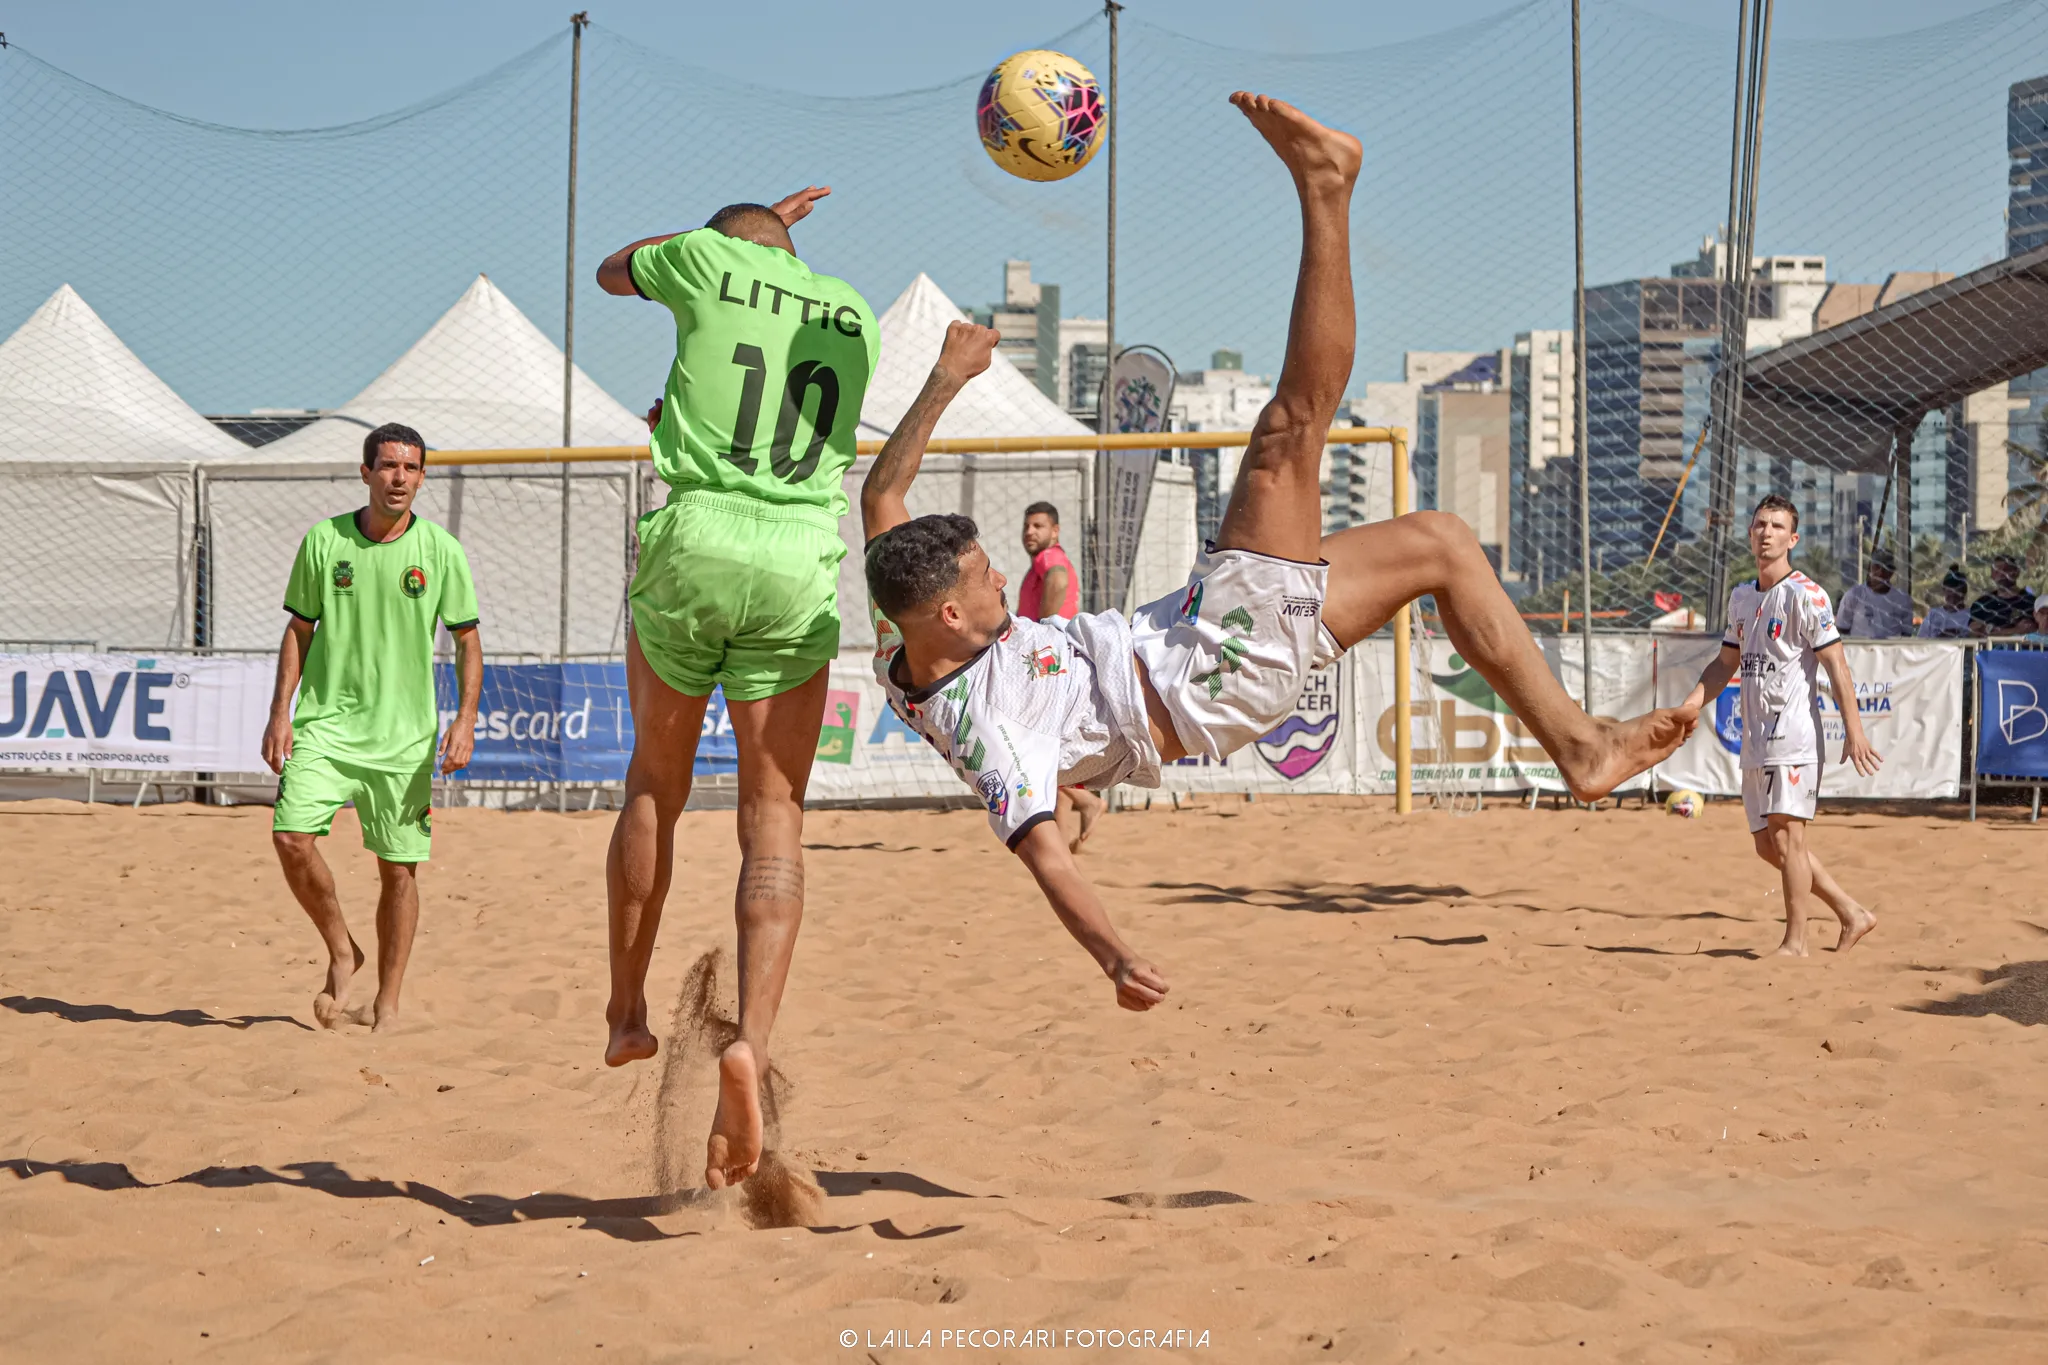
[(565, 723), (2012, 713)]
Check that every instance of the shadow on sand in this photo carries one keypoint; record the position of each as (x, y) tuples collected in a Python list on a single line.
[(92, 1014)]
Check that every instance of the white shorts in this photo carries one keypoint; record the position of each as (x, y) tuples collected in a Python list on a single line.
[(1229, 653), (1793, 791)]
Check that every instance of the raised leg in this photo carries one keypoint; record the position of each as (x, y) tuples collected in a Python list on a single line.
[(306, 873), (1377, 569), (1077, 809), (778, 739), (1856, 921), (1276, 505), (398, 917), (666, 727)]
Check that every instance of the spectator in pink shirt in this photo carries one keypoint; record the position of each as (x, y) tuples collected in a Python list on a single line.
[(1052, 588)]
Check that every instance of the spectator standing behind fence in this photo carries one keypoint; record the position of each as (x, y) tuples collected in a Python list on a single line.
[(1051, 589), (1951, 619), (2039, 634), (365, 594), (1871, 610), (2007, 609)]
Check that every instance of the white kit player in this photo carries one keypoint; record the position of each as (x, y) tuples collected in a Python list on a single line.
[(1020, 708), (1781, 632)]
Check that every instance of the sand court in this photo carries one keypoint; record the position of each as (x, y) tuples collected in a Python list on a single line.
[(1492, 1086)]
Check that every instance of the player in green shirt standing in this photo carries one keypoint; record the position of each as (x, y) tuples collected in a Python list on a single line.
[(737, 588), (365, 593)]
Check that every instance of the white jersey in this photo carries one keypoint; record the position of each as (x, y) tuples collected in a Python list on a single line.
[(1778, 630), (1869, 614), (1047, 705)]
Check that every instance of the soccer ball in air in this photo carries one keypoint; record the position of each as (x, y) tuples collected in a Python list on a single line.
[(1041, 115), (1684, 803)]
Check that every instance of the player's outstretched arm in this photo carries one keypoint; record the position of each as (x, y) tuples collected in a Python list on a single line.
[(1855, 744), (967, 351), (1139, 985), (1714, 679)]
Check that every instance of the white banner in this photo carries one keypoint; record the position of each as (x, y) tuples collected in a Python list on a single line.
[(865, 752), (1465, 738), (1910, 697), (176, 714), (1135, 396)]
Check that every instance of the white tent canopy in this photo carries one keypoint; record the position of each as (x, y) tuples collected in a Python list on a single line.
[(482, 377), (70, 390), (1001, 402)]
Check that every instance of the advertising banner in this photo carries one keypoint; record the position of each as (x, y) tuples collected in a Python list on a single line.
[(174, 714), (565, 723), (864, 752), (1465, 737), (1909, 696), (1135, 396), (2012, 713)]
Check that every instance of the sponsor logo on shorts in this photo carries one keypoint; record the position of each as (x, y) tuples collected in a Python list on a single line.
[(1230, 655), (344, 575), (1305, 739), (414, 583), (1310, 607), (1191, 601), (1045, 662), (1793, 776), (990, 784), (426, 821)]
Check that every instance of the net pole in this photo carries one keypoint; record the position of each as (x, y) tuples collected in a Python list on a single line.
[(1098, 585), (1721, 466), (1404, 723), (1579, 424), (577, 21)]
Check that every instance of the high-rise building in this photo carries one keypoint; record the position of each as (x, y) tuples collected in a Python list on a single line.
[(1541, 400), (1065, 357), (1461, 449), (2026, 227)]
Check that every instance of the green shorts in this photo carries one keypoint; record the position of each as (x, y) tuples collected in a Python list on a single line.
[(736, 593), (396, 808)]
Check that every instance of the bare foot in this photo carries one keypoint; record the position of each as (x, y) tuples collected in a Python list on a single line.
[(1859, 923), (384, 1017), (631, 1040), (331, 1005), (1314, 154), (1790, 949), (1625, 748), (735, 1146)]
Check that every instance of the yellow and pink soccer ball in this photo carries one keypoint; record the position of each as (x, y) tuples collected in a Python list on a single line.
[(1684, 803), (1041, 115)]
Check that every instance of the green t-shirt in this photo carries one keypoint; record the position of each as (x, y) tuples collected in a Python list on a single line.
[(772, 363), (367, 693)]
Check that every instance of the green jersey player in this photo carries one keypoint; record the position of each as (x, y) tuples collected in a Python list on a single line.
[(365, 594), (737, 587)]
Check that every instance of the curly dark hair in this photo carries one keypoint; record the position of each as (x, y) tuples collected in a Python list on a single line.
[(909, 565), (391, 433)]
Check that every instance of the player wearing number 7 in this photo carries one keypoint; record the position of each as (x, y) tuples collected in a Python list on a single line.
[(737, 587), (1781, 630)]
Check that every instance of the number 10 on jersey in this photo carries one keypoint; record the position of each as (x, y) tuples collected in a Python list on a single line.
[(803, 377)]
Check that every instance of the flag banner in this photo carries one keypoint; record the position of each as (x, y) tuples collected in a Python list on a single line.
[(2012, 713), (1909, 696), (165, 712), (1135, 396)]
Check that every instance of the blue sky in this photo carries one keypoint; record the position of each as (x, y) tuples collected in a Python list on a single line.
[(294, 64), (260, 269)]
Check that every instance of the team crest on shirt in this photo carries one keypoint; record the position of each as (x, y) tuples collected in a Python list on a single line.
[(414, 584), (1776, 627), (990, 784), (344, 575), (1045, 662)]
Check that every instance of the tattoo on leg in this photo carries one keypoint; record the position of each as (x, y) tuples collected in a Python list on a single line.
[(772, 878)]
